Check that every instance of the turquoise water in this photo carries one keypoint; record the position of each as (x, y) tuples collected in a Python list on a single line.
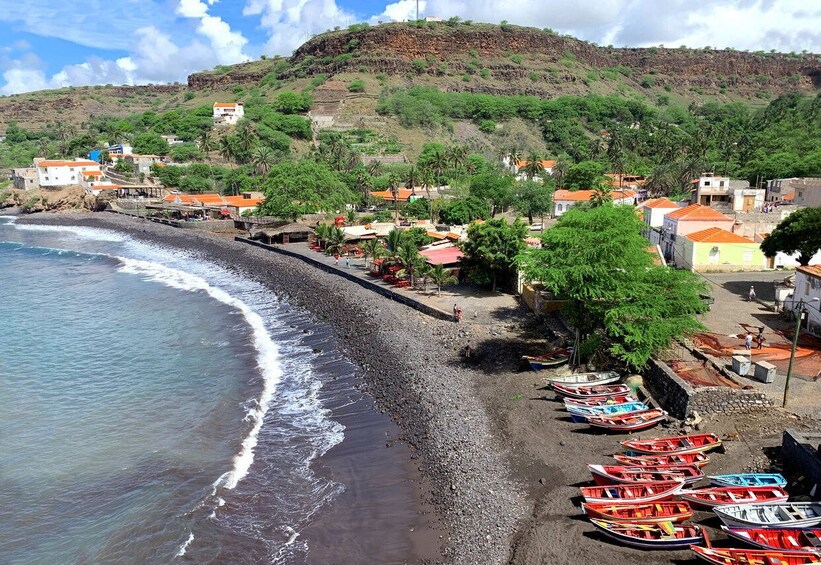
[(153, 406)]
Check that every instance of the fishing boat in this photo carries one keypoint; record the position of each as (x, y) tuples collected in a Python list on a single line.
[(637, 492), (789, 515), (615, 474), (579, 414), (607, 401), (749, 480), (585, 379), (696, 443), (722, 496), (632, 422), (632, 513), (596, 391), (651, 536), (548, 360), (721, 556), (697, 459), (794, 540)]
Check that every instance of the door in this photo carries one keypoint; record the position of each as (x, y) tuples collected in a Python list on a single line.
[(749, 203)]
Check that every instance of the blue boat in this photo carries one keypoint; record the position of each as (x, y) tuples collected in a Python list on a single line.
[(749, 480), (580, 413)]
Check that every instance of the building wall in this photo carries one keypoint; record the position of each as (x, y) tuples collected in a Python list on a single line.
[(808, 192), (25, 179), (63, 176), (674, 230), (754, 194), (699, 256), (807, 287), (562, 206)]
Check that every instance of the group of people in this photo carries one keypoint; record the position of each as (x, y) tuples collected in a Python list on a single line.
[(758, 339)]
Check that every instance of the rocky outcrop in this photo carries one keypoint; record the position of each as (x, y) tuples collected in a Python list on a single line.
[(61, 199)]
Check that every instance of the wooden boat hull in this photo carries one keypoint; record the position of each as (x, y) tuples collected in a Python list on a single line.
[(795, 515), (547, 363), (624, 423), (651, 536), (749, 480), (697, 459), (588, 392), (608, 401), (559, 378), (723, 496), (586, 379), (636, 493), (633, 513), (581, 413), (607, 475), (721, 556), (792, 540), (697, 443)]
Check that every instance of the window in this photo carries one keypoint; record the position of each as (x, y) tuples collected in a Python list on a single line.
[(71, 169), (720, 183), (558, 207), (706, 183)]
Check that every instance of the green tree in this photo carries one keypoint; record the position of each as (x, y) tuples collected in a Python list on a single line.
[(533, 198), (373, 249), (582, 176), (597, 259), (463, 210), (410, 258), (494, 188), (335, 240), (293, 103), (602, 195), (441, 277), (305, 186), (263, 159), (492, 248), (800, 232), (534, 167), (150, 143), (228, 148)]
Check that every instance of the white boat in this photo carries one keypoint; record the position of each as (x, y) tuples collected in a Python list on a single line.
[(790, 515), (585, 379)]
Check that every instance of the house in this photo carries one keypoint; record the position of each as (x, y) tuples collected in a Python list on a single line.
[(113, 152), (201, 200), (563, 199), (25, 179), (172, 140), (712, 190), (238, 205), (402, 195), (142, 163), (634, 182), (64, 173), (653, 212), (804, 191), (94, 178), (519, 167), (446, 255), (687, 220), (716, 249), (782, 260), (228, 113), (808, 291)]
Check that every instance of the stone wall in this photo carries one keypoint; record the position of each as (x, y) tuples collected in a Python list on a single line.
[(680, 399), (801, 454)]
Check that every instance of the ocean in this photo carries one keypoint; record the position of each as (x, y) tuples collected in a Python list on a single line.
[(157, 407)]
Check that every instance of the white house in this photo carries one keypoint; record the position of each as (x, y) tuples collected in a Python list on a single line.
[(64, 173), (563, 199), (783, 260), (653, 212), (25, 178), (228, 113), (808, 291), (711, 190)]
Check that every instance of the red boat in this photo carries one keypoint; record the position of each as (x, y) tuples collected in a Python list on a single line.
[(718, 496), (650, 513), (587, 403), (697, 459), (628, 422), (638, 493), (697, 443), (794, 540), (588, 392), (617, 474), (721, 556)]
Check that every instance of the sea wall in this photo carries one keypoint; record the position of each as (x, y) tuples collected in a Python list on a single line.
[(802, 454), (680, 399)]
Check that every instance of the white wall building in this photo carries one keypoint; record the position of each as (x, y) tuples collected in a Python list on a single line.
[(64, 173), (808, 290), (228, 113), (563, 199), (653, 212)]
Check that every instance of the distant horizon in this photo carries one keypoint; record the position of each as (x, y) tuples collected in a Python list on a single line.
[(49, 46)]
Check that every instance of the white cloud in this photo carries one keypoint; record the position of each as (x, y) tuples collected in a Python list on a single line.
[(401, 11)]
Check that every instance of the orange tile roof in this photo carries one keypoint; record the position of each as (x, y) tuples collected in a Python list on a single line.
[(93, 173), (401, 194), (697, 212), (83, 163), (224, 105), (717, 235), (435, 235), (812, 270), (660, 203), (106, 187), (546, 164), (211, 198), (789, 196), (242, 202), (584, 195)]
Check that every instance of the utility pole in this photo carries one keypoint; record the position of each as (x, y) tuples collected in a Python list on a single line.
[(799, 313), (417, 10)]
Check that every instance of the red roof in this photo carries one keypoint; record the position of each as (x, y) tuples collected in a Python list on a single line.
[(401, 194), (241, 201), (442, 255), (812, 270), (224, 105), (545, 164), (660, 203), (697, 212), (717, 235), (584, 195), (790, 196), (82, 163), (196, 199), (106, 187)]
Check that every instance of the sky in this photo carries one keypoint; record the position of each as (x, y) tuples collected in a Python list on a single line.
[(57, 43)]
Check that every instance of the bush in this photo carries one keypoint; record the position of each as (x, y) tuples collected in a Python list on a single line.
[(517, 59), (487, 126), (188, 96), (419, 65), (357, 85), (648, 81)]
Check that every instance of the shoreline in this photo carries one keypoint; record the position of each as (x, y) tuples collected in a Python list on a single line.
[(415, 376)]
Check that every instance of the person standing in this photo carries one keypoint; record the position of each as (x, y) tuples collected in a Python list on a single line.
[(347, 263), (455, 310), (458, 313), (748, 341), (751, 295)]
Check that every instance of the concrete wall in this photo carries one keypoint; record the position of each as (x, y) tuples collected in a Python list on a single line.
[(800, 453), (731, 256)]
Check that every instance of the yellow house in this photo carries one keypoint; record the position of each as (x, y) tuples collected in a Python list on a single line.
[(715, 249)]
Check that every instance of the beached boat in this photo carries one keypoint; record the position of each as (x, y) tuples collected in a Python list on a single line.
[(722, 496), (585, 379), (697, 459), (586, 392), (721, 556), (617, 474), (794, 540), (749, 480), (696, 443), (632, 513), (579, 414), (789, 515), (631, 422), (651, 536), (607, 401), (636, 492), (548, 360)]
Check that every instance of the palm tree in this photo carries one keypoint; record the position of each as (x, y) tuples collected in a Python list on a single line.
[(410, 258), (42, 147), (441, 276), (207, 142), (246, 137), (439, 164), (372, 248), (363, 183), (263, 159), (336, 240), (515, 155), (227, 149), (395, 239), (534, 167), (427, 180), (423, 272), (559, 171), (412, 177), (321, 231), (602, 195), (375, 168)]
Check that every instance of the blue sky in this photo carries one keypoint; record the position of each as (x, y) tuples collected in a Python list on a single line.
[(55, 43)]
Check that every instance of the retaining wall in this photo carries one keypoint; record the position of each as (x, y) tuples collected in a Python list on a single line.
[(801, 454), (370, 285)]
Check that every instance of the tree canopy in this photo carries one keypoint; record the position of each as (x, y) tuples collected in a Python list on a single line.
[(598, 260), (305, 186), (800, 232), (492, 248)]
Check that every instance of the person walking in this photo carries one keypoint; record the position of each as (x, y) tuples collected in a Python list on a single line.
[(458, 313), (347, 263), (751, 295), (748, 341), (455, 312)]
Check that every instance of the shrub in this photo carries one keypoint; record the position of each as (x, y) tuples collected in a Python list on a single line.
[(534, 76), (357, 85), (648, 81), (484, 73), (487, 126), (419, 65), (517, 59), (188, 96)]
